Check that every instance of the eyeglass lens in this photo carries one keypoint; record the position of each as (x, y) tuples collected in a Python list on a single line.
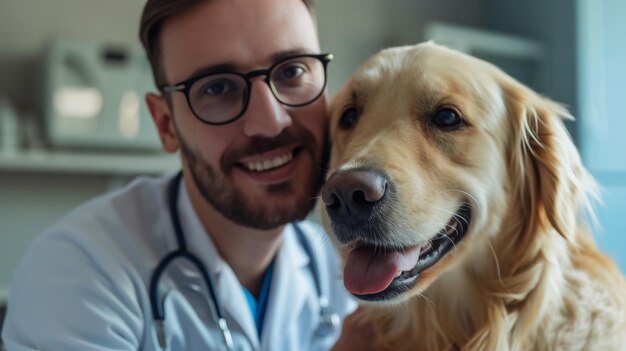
[(220, 97)]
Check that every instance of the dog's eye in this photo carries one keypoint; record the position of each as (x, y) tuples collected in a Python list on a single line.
[(447, 119), (348, 118)]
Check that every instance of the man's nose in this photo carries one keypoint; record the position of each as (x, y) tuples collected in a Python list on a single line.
[(265, 115)]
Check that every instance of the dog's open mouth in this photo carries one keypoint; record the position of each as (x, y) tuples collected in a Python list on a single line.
[(375, 273)]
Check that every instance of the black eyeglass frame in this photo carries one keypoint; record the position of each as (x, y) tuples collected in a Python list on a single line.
[(185, 86)]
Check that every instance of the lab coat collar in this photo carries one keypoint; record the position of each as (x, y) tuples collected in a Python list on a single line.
[(198, 240), (227, 287), (285, 301), (294, 254), (289, 290)]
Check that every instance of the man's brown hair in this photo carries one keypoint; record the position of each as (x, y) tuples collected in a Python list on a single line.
[(154, 16)]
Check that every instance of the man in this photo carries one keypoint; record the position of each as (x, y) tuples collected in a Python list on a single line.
[(242, 97)]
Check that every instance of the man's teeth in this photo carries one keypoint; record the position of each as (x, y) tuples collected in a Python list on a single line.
[(270, 164)]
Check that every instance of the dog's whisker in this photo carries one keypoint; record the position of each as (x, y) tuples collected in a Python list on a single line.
[(470, 196), (457, 217), (454, 228), (451, 241), (430, 302), (495, 257)]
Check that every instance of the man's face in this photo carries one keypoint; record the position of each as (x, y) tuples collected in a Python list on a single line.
[(285, 142)]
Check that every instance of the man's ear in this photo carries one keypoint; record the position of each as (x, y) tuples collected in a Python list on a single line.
[(162, 117)]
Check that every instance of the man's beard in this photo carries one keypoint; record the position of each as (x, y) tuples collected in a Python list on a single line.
[(218, 188)]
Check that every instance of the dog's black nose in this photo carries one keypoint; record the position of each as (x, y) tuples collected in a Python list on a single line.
[(352, 195)]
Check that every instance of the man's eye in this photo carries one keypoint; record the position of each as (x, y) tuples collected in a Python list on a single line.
[(291, 72), (217, 88)]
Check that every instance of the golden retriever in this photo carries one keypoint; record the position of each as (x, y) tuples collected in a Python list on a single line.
[(459, 202)]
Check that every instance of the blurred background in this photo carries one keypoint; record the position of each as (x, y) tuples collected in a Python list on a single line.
[(72, 78)]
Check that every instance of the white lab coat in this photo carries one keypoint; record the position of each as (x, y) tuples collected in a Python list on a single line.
[(83, 284)]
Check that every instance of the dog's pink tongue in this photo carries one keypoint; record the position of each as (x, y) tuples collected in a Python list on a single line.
[(369, 272)]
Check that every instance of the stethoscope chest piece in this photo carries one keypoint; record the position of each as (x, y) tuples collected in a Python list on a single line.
[(329, 320)]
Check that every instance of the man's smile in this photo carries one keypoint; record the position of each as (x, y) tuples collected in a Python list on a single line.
[(267, 162), (271, 167)]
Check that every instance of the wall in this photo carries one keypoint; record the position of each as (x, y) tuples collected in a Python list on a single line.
[(586, 51), (552, 23), (355, 29), (602, 73)]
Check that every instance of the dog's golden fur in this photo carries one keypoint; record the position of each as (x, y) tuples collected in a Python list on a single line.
[(527, 276)]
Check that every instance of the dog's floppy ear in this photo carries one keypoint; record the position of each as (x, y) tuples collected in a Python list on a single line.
[(548, 175)]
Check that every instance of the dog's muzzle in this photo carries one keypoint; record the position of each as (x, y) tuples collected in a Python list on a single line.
[(357, 202)]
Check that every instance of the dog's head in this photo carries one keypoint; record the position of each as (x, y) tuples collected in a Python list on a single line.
[(435, 154)]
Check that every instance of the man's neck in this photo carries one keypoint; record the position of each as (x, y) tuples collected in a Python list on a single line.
[(247, 251)]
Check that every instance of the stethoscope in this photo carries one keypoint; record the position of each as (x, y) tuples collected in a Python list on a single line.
[(329, 319)]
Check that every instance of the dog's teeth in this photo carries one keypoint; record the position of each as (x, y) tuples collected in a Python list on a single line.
[(410, 280)]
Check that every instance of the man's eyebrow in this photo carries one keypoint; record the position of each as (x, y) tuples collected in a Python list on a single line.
[(222, 67), (231, 67), (293, 52)]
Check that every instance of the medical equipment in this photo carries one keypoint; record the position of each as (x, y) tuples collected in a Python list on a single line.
[(329, 319), (92, 96), (9, 131)]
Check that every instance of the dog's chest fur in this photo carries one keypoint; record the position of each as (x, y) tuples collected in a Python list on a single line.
[(566, 309)]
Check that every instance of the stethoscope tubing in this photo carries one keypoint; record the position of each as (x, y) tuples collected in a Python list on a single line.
[(158, 311), (157, 306)]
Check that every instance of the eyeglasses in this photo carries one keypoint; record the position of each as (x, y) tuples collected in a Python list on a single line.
[(221, 98)]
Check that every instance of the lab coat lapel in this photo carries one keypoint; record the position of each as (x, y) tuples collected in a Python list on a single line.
[(227, 287), (289, 290), (236, 306)]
